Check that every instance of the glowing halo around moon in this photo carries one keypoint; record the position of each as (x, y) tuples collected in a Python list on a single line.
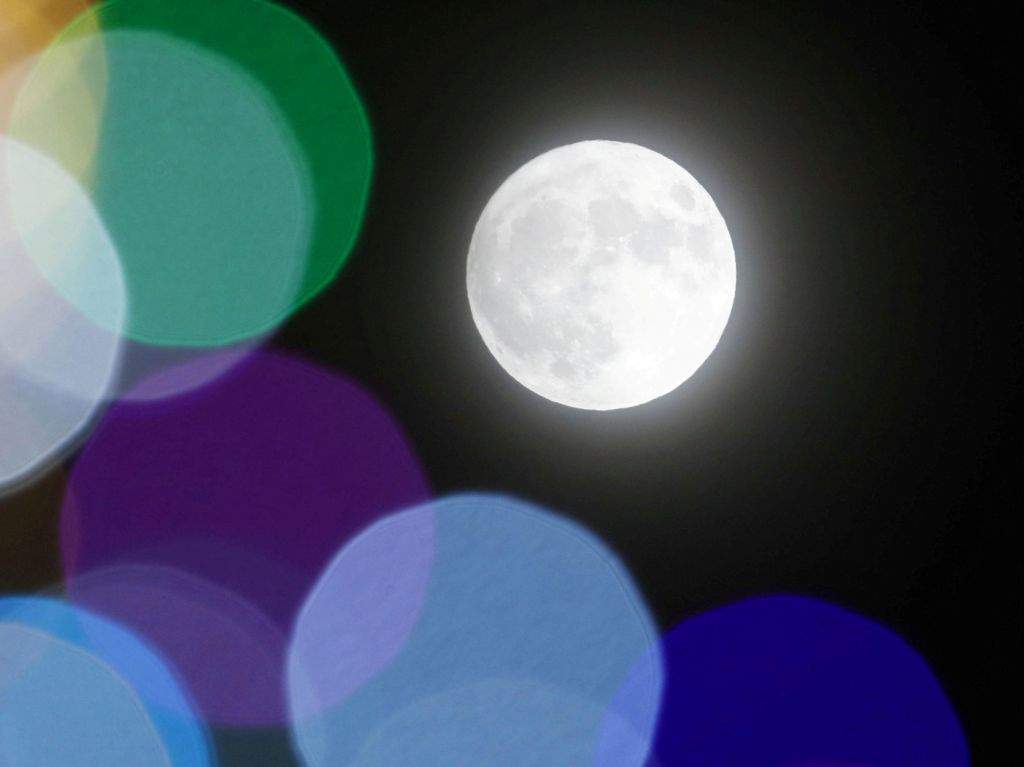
[(601, 275)]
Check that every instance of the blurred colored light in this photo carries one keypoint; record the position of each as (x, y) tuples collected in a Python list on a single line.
[(473, 630), (151, 372), (27, 27), (197, 180), (797, 682), (56, 364), (248, 485), (237, 676), (152, 681), (234, 158), (536, 724), (59, 705)]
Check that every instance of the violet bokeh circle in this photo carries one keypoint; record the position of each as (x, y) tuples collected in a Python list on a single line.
[(241, 490)]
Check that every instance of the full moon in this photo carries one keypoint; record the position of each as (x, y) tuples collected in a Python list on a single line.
[(601, 275)]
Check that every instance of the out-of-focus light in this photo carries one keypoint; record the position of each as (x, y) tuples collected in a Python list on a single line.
[(248, 484), (56, 363), (236, 678), (167, 706), (232, 176), (27, 27), (197, 179), (473, 630), (797, 682), (60, 705), (150, 373)]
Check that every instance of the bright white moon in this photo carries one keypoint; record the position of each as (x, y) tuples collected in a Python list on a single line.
[(601, 275)]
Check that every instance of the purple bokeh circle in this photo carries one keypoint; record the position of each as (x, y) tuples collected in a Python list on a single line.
[(230, 498)]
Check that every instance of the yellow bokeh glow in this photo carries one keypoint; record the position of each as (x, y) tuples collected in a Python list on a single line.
[(38, 93)]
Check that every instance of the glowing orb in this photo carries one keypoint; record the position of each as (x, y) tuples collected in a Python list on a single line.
[(601, 275), (62, 705), (474, 630), (232, 177), (56, 364), (797, 682)]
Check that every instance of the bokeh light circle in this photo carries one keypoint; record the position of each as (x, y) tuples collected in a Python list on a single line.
[(59, 705), (230, 498), (197, 180), (236, 679), (476, 629), (149, 372), (184, 738), (539, 725), (27, 28), (232, 176), (56, 364), (788, 681)]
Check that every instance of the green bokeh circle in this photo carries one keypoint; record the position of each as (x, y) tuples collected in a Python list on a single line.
[(300, 80)]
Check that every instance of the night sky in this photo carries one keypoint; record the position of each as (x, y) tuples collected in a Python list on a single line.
[(856, 434)]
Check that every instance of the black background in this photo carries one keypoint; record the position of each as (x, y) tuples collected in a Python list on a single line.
[(855, 436)]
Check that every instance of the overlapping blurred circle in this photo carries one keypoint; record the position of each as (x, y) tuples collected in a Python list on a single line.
[(496, 722), (60, 705), (175, 180), (236, 678), (150, 679), (231, 161), (476, 629), (27, 28), (57, 365), (203, 520), (150, 373)]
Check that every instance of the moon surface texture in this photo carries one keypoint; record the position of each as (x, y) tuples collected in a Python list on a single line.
[(601, 275)]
